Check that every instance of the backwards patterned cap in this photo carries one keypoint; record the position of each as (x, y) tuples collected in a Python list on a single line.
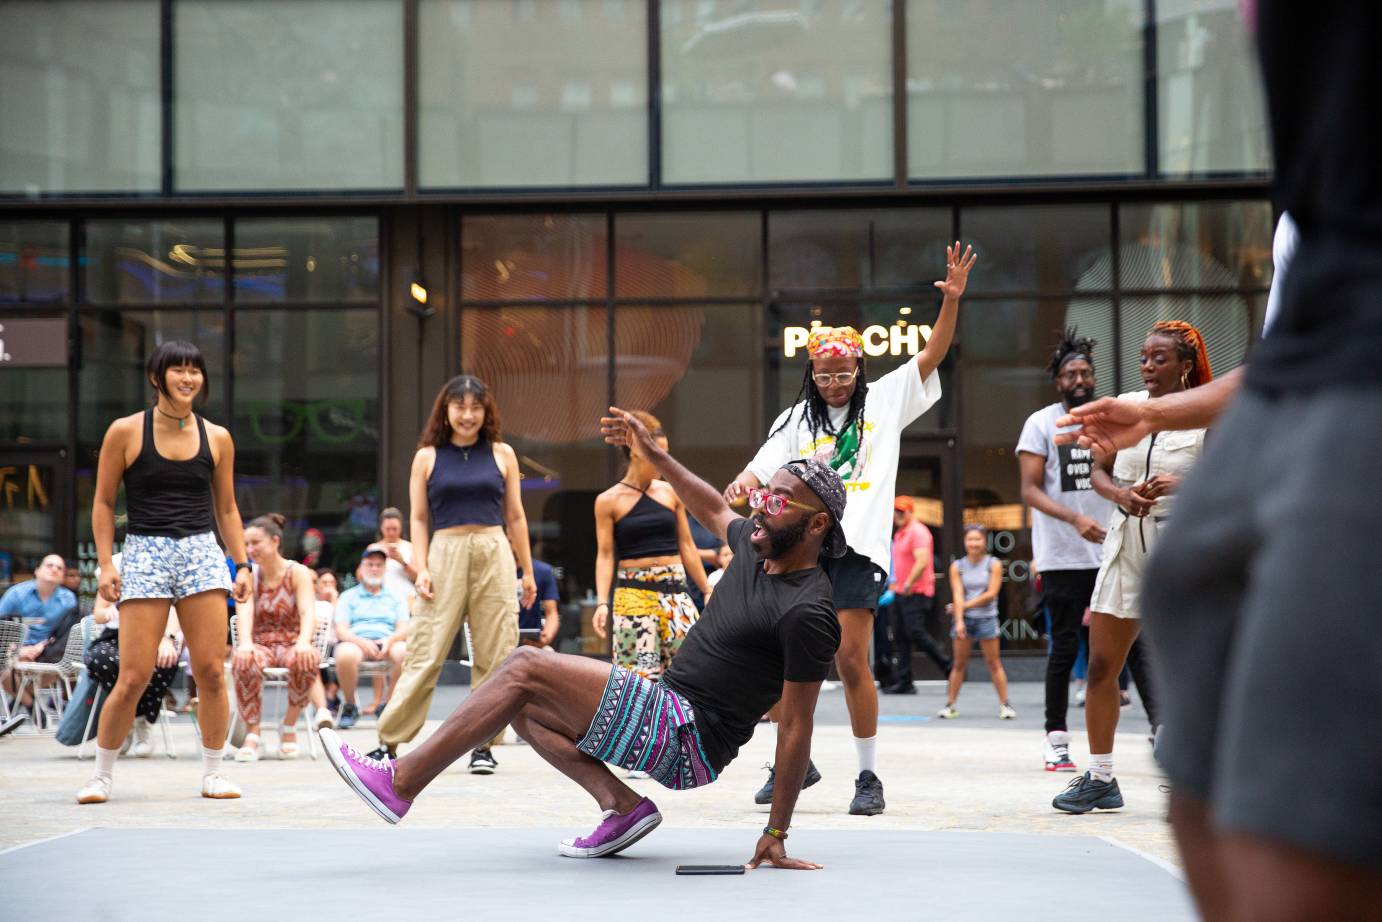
[(843, 341), (828, 486)]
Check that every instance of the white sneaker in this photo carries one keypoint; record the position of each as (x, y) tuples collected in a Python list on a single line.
[(948, 712), (1079, 697), (143, 746), (1006, 712), (218, 787), (95, 791), (639, 776), (1058, 752)]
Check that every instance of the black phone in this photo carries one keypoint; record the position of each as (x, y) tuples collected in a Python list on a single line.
[(699, 869)]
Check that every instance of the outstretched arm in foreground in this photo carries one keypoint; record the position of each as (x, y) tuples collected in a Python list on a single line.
[(795, 712), (1109, 423), (701, 499)]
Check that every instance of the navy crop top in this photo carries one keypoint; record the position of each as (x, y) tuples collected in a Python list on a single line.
[(649, 529), (466, 487)]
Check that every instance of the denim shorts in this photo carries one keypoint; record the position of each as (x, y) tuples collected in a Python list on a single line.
[(984, 627), (159, 567)]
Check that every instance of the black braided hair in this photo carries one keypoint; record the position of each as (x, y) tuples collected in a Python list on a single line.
[(1070, 341), (818, 411)]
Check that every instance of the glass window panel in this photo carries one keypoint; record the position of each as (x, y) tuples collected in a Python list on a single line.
[(34, 261), (1024, 88), (687, 255), (288, 94), (534, 257), (333, 260), (1211, 112), (548, 368), (153, 262), (698, 369), (1196, 245), (850, 250), (306, 426), (562, 101), (33, 403), (1225, 321), (1039, 248), (80, 106), (776, 91), (894, 332)]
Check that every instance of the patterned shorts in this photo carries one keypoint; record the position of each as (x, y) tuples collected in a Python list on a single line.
[(158, 567), (645, 726), (652, 614)]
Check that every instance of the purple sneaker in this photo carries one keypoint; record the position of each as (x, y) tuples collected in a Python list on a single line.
[(372, 779), (615, 833)]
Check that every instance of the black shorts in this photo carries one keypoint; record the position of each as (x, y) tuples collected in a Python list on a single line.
[(1260, 603), (855, 581)]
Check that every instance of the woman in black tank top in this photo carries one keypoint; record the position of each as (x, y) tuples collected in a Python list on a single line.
[(470, 538), (641, 530), (177, 472)]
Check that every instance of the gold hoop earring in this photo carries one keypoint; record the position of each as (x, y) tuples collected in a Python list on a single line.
[(1185, 380)]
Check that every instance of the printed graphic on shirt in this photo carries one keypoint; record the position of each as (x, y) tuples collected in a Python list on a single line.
[(1076, 468), (848, 453)]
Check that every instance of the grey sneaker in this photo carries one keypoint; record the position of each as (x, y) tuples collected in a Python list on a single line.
[(1087, 793), (482, 762), (868, 795), (765, 793)]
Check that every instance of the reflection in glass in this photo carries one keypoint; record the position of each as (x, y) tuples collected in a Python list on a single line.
[(687, 255), (534, 257), (306, 425), (317, 98), (330, 260), (1225, 321), (850, 250), (80, 106), (773, 91), (1037, 88), (1211, 111), (1196, 245), (33, 261), (1039, 248), (33, 404), (30, 500), (152, 262), (561, 101)]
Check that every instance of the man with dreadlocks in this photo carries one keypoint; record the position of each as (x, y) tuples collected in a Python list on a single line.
[(1139, 481), (1068, 520), (856, 428)]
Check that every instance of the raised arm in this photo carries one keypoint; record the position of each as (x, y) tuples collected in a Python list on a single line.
[(957, 266), (701, 499)]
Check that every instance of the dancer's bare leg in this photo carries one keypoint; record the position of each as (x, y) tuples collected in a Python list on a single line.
[(852, 662)]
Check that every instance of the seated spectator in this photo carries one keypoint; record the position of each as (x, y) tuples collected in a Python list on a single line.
[(48, 610), (722, 559), (398, 569), (327, 588), (72, 580), (542, 616), (371, 624), (103, 665)]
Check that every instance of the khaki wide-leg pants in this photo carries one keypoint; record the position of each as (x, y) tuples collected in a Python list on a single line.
[(474, 578)]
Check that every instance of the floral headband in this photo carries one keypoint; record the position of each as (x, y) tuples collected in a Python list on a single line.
[(842, 341)]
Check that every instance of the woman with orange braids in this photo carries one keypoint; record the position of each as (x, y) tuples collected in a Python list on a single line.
[(1141, 481)]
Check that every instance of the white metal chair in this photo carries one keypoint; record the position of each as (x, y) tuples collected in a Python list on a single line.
[(276, 677), (11, 635), (165, 718), (50, 700)]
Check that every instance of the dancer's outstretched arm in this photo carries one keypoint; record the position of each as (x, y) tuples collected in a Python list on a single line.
[(795, 711), (1111, 423), (701, 499), (957, 266)]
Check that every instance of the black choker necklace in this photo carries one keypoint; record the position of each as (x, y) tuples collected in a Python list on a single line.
[(182, 420)]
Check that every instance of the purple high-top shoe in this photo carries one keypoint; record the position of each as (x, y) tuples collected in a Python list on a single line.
[(615, 833), (372, 779)]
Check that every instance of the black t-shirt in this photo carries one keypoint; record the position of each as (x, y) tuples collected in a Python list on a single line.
[(1322, 67), (757, 632)]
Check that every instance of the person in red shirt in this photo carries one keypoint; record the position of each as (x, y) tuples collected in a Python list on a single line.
[(914, 588)]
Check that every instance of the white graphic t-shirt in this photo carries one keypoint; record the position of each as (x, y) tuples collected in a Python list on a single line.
[(866, 461), (1069, 468)]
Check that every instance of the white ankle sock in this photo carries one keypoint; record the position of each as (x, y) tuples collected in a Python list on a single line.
[(105, 762), (867, 748), (1101, 766), (211, 759)]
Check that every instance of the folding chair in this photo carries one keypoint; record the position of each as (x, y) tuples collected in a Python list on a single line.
[(11, 635), (47, 714), (165, 718), (276, 677)]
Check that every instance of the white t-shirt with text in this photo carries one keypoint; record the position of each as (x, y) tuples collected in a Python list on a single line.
[(1068, 480)]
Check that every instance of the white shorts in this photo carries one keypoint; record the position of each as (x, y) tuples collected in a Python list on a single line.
[(1128, 544), (158, 567)]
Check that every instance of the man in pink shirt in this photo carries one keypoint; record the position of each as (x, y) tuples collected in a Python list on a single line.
[(914, 588)]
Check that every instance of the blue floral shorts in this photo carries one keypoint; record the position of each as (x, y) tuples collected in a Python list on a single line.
[(158, 567)]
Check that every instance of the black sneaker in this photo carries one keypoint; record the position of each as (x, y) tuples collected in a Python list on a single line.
[(12, 723), (349, 715), (482, 762), (868, 795), (1086, 793), (765, 793), (382, 753), (901, 688)]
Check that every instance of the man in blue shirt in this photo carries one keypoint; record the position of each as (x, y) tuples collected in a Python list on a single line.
[(41, 603), (542, 615), (371, 624)]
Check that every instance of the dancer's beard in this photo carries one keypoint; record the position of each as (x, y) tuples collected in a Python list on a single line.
[(1077, 395), (782, 540)]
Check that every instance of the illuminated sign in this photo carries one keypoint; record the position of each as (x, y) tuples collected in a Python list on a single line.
[(899, 339)]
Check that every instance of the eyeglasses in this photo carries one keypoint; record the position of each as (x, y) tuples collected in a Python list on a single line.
[(1076, 374), (839, 378), (773, 504)]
